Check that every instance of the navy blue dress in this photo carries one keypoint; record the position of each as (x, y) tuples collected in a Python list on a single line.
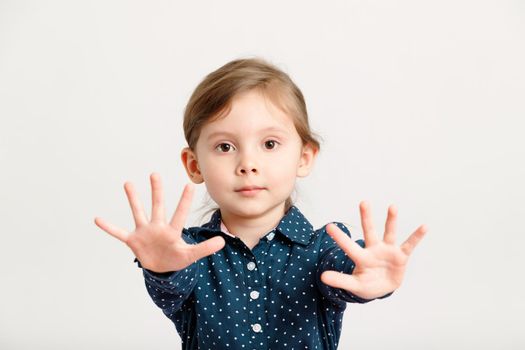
[(269, 297)]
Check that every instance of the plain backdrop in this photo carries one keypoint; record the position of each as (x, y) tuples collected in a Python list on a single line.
[(419, 103)]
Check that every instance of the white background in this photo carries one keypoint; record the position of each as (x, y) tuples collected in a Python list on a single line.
[(420, 104)]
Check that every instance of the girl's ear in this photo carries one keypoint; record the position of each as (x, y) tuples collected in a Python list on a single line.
[(189, 160), (307, 160)]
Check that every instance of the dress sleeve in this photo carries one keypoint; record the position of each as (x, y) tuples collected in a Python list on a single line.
[(334, 258), (169, 290)]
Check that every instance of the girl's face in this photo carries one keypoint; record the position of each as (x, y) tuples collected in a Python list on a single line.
[(254, 145)]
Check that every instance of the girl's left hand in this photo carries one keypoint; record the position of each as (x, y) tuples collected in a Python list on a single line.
[(380, 266)]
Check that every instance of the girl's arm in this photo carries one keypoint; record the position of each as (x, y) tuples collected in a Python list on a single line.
[(164, 250), (169, 290)]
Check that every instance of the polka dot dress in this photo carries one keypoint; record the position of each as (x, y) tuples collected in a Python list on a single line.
[(269, 297)]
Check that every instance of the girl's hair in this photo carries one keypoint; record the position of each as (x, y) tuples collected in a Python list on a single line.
[(213, 97)]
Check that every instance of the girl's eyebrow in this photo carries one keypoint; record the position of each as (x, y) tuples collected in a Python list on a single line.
[(230, 134)]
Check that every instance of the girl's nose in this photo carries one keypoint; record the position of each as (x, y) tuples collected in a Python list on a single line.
[(245, 170), (246, 166)]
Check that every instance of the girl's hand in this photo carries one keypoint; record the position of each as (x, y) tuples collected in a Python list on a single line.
[(380, 266), (157, 245)]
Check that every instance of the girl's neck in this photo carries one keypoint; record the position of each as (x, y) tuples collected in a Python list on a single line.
[(251, 229)]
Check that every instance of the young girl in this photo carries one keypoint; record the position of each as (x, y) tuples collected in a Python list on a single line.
[(257, 275)]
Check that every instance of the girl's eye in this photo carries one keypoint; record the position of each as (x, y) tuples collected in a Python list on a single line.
[(270, 144), (224, 147)]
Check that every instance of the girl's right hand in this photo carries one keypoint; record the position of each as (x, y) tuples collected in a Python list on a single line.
[(157, 245)]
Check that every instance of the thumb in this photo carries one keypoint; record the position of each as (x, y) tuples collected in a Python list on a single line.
[(340, 280), (208, 247)]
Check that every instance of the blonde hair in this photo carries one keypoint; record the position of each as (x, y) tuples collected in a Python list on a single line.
[(212, 98)]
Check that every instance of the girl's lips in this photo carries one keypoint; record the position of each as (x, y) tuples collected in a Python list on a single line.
[(250, 192), (246, 188)]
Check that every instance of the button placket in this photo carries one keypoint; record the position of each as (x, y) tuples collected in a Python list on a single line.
[(255, 312)]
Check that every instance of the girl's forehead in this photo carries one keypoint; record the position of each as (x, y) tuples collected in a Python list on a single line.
[(247, 125), (251, 112)]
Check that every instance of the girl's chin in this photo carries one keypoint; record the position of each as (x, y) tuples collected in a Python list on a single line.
[(250, 209)]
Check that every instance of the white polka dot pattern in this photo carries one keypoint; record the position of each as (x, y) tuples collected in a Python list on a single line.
[(269, 297)]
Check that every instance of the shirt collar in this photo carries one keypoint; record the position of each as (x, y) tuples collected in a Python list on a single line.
[(293, 225), (225, 229)]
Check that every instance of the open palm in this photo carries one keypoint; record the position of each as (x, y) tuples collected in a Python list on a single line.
[(159, 246), (380, 266)]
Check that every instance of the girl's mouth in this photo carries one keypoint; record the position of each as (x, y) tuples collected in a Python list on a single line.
[(249, 191)]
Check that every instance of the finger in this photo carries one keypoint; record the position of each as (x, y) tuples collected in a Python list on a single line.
[(390, 226), (368, 224), (183, 208), (207, 247), (139, 215), (113, 230), (341, 280), (411, 242), (157, 198), (347, 244)]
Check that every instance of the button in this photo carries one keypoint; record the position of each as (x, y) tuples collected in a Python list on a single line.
[(256, 328), (270, 235), (254, 294), (251, 265)]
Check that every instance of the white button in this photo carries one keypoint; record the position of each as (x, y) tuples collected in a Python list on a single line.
[(254, 294), (251, 265), (270, 235), (256, 328)]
